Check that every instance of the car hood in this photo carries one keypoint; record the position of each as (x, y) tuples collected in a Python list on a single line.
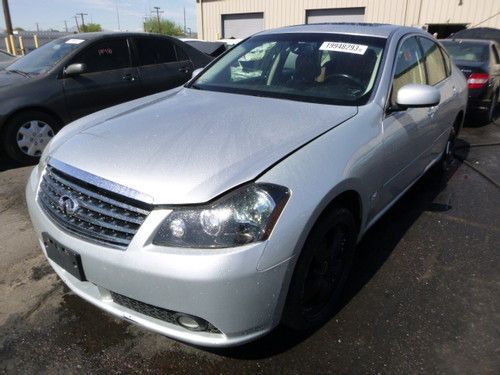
[(9, 78), (189, 146)]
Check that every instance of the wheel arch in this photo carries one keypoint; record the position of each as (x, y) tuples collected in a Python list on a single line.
[(42, 109)]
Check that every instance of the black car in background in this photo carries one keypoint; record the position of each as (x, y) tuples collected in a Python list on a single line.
[(479, 61), (76, 75)]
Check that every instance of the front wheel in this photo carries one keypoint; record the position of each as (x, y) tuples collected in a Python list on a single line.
[(321, 271), (26, 135)]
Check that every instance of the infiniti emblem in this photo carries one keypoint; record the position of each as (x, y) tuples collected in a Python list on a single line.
[(68, 205)]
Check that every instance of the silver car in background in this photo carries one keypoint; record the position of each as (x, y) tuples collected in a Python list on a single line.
[(212, 212)]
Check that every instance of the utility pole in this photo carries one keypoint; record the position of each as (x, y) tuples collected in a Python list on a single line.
[(76, 21), (83, 21), (65, 25), (37, 27), (158, 11), (118, 14), (8, 26), (184, 20), (6, 14)]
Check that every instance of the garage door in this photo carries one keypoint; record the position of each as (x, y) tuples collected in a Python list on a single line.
[(335, 15), (242, 25)]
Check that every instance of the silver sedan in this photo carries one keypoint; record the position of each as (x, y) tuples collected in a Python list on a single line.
[(212, 212)]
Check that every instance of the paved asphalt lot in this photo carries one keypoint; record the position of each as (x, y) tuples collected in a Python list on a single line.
[(424, 296)]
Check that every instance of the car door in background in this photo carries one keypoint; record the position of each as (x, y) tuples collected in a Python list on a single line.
[(108, 79), (162, 64), (403, 141)]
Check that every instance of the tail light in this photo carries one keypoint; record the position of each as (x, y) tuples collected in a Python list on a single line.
[(478, 80)]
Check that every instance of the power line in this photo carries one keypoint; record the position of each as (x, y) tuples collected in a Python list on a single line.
[(487, 19)]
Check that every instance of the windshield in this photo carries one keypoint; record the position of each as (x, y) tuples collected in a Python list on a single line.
[(322, 68), (467, 51), (46, 57)]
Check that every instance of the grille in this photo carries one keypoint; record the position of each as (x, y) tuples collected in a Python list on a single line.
[(165, 315), (88, 211)]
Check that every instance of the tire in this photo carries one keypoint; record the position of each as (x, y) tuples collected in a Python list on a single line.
[(489, 115), (26, 134), (321, 271), (448, 157)]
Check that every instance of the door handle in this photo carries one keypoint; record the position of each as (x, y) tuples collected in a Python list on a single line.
[(129, 77), (184, 69), (431, 112), (455, 92)]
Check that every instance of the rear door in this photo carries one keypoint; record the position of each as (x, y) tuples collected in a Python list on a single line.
[(162, 64), (436, 132), (109, 78)]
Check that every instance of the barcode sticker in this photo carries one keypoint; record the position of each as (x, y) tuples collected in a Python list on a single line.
[(358, 49)]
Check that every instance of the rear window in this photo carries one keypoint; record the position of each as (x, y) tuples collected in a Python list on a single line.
[(155, 51), (467, 51)]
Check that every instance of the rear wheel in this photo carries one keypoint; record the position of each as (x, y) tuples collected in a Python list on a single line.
[(26, 135), (489, 115), (321, 271), (448, 154)]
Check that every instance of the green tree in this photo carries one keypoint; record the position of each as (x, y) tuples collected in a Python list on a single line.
[(166, 27), (90, 28), (18, 29)]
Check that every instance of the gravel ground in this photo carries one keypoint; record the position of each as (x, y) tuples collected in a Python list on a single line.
[(423, 297)]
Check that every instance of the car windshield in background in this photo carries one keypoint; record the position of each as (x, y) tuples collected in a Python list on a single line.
[(5, 56), (44, 58), (322, 68), (467, 51)]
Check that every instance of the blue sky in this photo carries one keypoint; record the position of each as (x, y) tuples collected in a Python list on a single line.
[(52, 13)]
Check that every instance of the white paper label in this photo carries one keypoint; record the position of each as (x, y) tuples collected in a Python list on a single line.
[(75, 41), (358, 49)]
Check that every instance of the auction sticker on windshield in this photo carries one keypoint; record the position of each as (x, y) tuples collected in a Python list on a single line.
[(358, 49)]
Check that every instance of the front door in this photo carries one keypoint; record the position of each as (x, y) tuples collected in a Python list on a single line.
[(109, 78), (404, 129)]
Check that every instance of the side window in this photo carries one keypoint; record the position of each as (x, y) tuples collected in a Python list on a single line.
[(107, 55), (409, 67), (433, 61), (496, 58), (447, 62), (181, 55), (155, 51)]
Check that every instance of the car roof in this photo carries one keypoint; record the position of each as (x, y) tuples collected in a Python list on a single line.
[(368, 29), (476, 41), (104, 34)]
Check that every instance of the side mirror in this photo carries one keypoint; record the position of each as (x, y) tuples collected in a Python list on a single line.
[(415, 95), (75, 70), (196, 72)]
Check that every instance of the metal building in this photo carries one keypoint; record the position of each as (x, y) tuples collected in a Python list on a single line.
[(240, 18)]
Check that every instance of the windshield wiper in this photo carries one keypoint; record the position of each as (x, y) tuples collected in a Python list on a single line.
[(195, 86), (24, 74)]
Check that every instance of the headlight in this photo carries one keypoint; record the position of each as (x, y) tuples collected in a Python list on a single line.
[(243, 216)]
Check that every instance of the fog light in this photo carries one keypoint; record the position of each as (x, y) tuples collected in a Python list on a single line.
[(191, 323)]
